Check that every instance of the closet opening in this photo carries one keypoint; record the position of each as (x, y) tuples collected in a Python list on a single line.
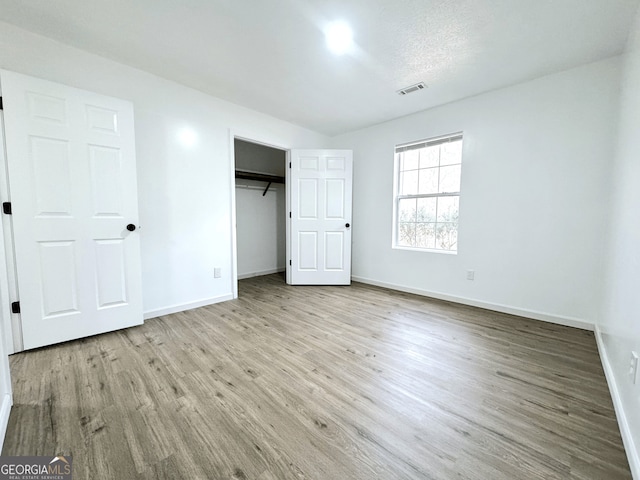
[(260, 203)]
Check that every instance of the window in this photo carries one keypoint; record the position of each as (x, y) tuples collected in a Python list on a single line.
[(428, 194)]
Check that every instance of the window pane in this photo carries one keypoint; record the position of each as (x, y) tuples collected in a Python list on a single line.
[(429, 157), (407, 210), (451, 153), (410, 160), (427, 209), (448, 209), (449, 179), (406, 234), (429, 180), (409, 182), (447, 236), (426, 235)]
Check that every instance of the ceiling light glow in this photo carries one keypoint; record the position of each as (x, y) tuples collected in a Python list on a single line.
[(339, 37)]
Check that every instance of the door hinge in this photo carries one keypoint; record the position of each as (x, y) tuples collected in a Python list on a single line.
[(1, 105), (15, 307), (289, 214), (289, 164), (289, 262), (6, 208)]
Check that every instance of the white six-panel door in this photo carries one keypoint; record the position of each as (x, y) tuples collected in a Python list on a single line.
[(320, 186), (72, 181)]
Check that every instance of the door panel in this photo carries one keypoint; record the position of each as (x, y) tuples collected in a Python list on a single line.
[(334, 250), (111, 273), (105, 164), (50, 158), (72, 179), (59, 281), (335, 198), (308, 198), (320, 183)]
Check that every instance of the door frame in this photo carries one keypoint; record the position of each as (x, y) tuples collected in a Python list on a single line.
[(267, 142), (8, 277)]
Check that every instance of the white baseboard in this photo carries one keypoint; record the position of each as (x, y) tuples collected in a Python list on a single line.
[(625, 429), (5, 411), (520, 312), (186, 306), (260, 273)]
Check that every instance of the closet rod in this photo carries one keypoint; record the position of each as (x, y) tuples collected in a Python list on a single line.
[(261, 177)]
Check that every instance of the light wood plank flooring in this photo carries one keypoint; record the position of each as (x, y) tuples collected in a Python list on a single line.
[(324, 383)]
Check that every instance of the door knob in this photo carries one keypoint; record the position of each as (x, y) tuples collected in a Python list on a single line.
[(131, 227), (348, 225)]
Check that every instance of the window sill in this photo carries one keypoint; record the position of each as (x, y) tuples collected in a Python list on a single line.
[(426, 250)]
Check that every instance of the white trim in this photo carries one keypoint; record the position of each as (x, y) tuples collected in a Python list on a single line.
[(5, 411), (427, 250), (520, 312), (261, 272), (7, 331), (8, 278), (186, 306), (234, 241), (287, 217), (623, 423), (433, 140)]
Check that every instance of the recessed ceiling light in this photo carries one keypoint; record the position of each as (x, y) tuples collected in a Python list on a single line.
[(339, 37)]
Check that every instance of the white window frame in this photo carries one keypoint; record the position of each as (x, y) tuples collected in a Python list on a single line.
[(396, 189)]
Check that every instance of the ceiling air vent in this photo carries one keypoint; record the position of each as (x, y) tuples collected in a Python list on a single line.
[(412, 88)]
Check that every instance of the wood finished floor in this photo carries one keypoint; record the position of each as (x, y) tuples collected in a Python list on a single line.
[(322, 383)]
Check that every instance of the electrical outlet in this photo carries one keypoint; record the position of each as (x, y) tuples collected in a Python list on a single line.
[(471, 274), (217, 272), (633, 367)]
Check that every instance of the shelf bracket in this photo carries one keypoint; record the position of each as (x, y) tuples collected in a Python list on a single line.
[(266, 189)]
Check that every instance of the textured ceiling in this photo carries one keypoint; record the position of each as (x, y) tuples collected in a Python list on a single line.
[(270, 55)]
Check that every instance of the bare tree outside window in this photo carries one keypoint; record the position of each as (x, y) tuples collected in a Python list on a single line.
[(428, 193)]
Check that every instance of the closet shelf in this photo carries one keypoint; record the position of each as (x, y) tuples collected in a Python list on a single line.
[(261, 177)]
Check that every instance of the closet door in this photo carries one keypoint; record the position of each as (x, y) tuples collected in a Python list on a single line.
[(320, 186), (72, 179)]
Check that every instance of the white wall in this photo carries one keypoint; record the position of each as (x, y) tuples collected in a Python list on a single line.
[(185, 194), (619, 325), (535, 184), (261, 228)]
